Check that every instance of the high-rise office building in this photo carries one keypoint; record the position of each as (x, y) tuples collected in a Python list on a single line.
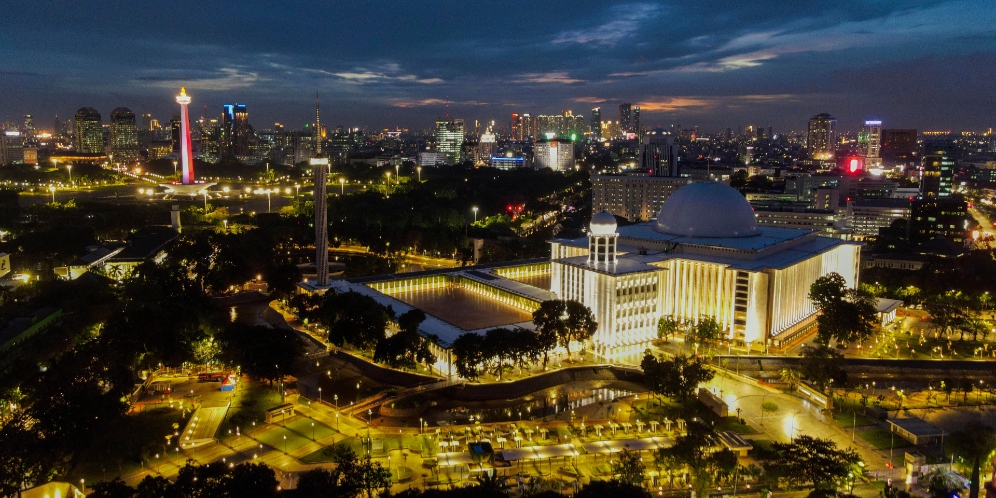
[(318, 129), (658, 156), (822, 137), (29, 127), (174, 134), (870, 139), (636, 120), (210, 139), (449, 138), (89, 131), (898, 146), (235, 130), (566, 125), (124, 135), (555, 154), (937, 217), (595, 132), (936, 174), (625, 117)]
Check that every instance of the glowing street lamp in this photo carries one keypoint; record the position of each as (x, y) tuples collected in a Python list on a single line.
[(397, 173), (475, 214), (69, 168), (342, 185), (51, 188), (419, 169), (174, 168)]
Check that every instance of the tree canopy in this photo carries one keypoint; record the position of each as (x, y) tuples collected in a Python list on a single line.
[(846, 316), (677, 377)]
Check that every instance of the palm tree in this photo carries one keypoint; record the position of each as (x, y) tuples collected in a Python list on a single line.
[(973, 443), (790, 375)]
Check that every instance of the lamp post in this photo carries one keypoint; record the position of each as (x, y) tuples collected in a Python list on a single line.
[(336, 398), (388, 178), (397, 173), (342, 186), (174, 168), (205, 202), (419, 169), (337, 421), (51, 188), (319, 395), (475, 213), (69, 168)]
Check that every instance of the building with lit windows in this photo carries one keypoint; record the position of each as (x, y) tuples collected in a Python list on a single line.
[(554, 154), (449, 139), (123, 135), (88, 131), (705, 256), (866, 216), (822, 137), (658, 155), (870, 139), (634, 196), (936, 174)]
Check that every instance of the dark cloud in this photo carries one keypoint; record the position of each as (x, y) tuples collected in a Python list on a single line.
[(715, 64)]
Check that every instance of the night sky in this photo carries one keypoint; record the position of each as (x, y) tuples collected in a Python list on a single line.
[(713, 63)]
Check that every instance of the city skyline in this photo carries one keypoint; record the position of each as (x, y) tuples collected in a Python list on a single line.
[(725, 65)]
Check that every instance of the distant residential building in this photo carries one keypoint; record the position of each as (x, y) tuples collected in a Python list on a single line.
[(634, 196), (485, 149), (866, 216), (822, 137), (123, 135), (554, 154), (449, 139), (933, 217), (658, 154), (235, 130), (88, 131), (566, 125), (522, 125), (11, 147)]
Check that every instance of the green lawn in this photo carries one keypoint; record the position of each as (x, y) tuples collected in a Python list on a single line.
[(849, 420), (732, 424), (249, 404), (303, 427), (883, 439), (324, 455), (275, 437)]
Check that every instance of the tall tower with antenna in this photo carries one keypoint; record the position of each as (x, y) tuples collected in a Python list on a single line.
[(318, 129), (186, 150)]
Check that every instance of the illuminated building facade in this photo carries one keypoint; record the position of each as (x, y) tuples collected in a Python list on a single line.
[(595, 130), (936, 174), (705, 256), (658, 156), (870, 139), (449, 139), (235, 130), (822, 137), (554, 154), (89, 131), (124, 135)]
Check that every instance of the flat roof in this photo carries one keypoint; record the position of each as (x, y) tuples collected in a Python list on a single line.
[(887, 305), (510, 285), (441, 271), (916, 426), (770, 236)]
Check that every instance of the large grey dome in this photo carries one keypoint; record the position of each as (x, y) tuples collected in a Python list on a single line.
[(707, 210)]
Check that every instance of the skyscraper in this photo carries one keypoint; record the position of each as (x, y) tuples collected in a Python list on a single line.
[(870, 139), (124, 134), (657, 154), (89, 131), (320, 165), (235, 130), (449, 138), (936, 173), (636, 120), (898, 146), (595, 133), (625, 118), (318, 129), (522, 125), (822, 137)]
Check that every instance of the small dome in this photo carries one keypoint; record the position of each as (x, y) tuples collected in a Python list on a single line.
[(603, 224), (705, 209)]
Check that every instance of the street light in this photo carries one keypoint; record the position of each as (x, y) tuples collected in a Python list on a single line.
[(342, 185), (388, 178), (51, 188), (69, 167), (174, 168), (397, 173), (319, 395), (419, 169), (475, 213)]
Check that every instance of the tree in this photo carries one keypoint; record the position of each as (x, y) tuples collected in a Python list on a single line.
[(468, 355), (261, 352), (845, 315), (676, 378), (550, 325), (706, 331), (615, 489), (21, 460), (816, 461), (410, 320), (353, 318), (406, 349), (667, 327), (115, 488), (822, 365), (974, 443), (579, 324), (628, 468), (942, 482), (283, 279)]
